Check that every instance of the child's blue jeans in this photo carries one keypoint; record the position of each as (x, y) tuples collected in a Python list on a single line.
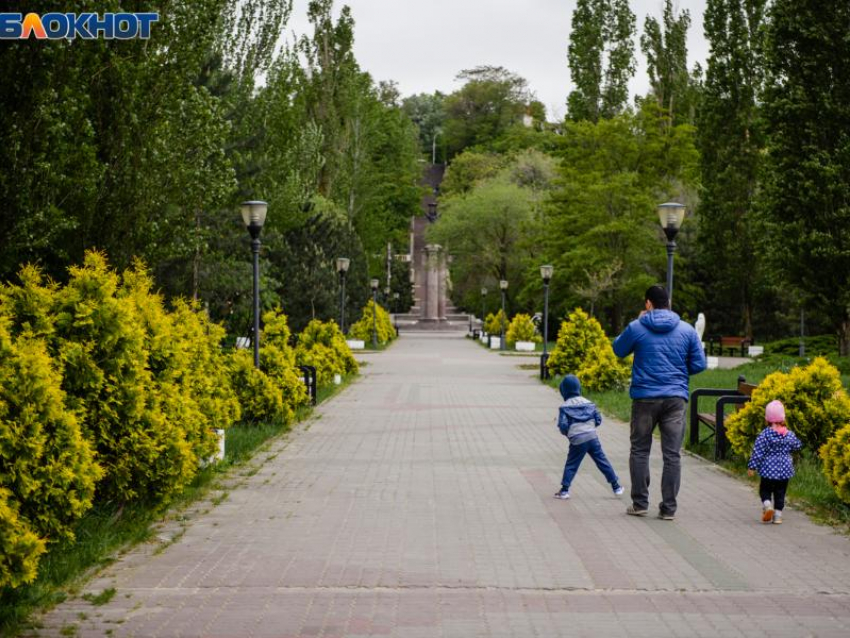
[(592, 448)]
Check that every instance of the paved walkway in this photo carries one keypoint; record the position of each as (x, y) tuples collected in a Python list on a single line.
[(419, 504)]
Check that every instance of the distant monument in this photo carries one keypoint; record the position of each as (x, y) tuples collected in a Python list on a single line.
[(429, 270)]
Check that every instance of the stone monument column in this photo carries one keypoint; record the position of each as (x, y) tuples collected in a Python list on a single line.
[(432, 283), (441, 292)]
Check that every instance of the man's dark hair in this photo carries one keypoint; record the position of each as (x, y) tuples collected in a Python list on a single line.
[(658, 297)]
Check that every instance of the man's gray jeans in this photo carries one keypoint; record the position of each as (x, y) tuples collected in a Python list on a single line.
[(669, 415)]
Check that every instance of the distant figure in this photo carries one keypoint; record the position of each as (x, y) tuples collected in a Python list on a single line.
[(578, 419), (771, 458), (699, 326), (666, 351)]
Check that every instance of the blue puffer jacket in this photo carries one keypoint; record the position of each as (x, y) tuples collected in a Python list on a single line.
[(578, 419), (771, 456), (667, 350)]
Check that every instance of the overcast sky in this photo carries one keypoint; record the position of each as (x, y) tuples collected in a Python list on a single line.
[(423, 44)]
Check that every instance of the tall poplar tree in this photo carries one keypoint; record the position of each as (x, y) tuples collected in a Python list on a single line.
[(666, 49), (807, 112), (601, 58), (731, 140)]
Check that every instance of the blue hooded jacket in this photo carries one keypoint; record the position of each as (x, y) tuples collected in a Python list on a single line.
[(771, 456), (578, 417), (667, 351)]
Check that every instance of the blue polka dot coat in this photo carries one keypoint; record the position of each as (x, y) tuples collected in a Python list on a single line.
[(771, 456)]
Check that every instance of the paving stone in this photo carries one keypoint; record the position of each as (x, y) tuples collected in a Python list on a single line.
[(419, 503)]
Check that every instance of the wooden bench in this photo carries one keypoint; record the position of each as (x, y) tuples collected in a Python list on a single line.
[(715, 420), (733, 345)]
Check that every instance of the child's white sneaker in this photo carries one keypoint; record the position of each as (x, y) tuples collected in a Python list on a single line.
[(618, 490), (777, 517), (562, 494), (767, 512)]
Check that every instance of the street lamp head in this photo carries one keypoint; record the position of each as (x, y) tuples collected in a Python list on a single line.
[(546, 272), (342, 264), (254, 215), (374, 283), (503, 284), (483, 292), (671, 215)]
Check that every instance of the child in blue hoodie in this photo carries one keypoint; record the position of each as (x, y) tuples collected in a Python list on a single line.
[(578, 419), (771, 458)]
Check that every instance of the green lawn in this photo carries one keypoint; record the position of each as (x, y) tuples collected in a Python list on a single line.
[(106, 529)]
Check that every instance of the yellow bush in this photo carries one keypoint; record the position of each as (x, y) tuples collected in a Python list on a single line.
[(521, 329), (835, 455), (493, 323), (260, 398), (20, 547), (363, 329), (584, 350), (323, 345), (602, 370), (277, 359), (816, 406)]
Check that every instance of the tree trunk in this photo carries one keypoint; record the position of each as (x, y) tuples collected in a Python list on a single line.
[(844, 338)]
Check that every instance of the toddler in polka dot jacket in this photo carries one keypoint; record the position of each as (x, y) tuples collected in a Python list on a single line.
[(771, 458)]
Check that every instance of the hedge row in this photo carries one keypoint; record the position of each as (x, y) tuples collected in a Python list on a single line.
[(108, 396)]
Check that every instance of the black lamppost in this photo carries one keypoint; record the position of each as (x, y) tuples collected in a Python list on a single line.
[(503, 285), (545, 272), (671, 215), (375, 283), (396, 306), (254, 216), (342, 264), (483, 309)]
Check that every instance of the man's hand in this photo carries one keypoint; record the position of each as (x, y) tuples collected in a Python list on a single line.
[(751, 472)]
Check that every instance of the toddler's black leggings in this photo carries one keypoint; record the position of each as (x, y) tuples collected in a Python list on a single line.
[(775, 488)]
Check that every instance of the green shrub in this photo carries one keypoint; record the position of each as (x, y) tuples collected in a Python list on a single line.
[(816, 406), (186, 362), (20, 547), (364, 328), (104, 344), (277, 359), (493, 323), (323, 345), (835, 455), (47, 468), (819, 345), (521, 329), (583, 349), (260, 398)]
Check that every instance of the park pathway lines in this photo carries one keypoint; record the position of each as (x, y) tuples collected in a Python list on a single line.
[(419, 504)]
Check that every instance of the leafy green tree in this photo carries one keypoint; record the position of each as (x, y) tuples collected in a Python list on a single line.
[(731, 143), (601, 58), (491, 101), (611, 177), (666, 49), (807, 189), (469, 168), (426, 111), (485, 230)]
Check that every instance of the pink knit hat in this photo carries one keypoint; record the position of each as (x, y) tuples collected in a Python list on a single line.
[(774, 412)]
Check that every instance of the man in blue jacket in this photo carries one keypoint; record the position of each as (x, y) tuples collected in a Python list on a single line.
[(667, 351)]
